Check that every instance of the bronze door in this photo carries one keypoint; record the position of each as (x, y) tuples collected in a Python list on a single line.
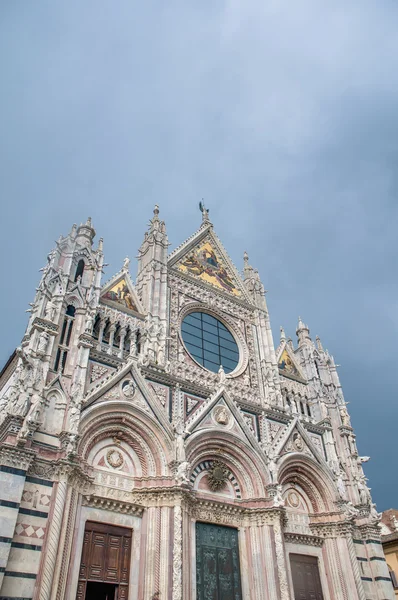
[(305, 575), (105, 559), (217, 563)]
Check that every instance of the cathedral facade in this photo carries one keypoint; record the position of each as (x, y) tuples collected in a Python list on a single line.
[(156, 445)]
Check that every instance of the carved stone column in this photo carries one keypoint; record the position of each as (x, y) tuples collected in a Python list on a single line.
[(52, 545), (101, 333), (123, 332), (355, 568), (112, 330), (280, 561), (66, 537), (177, 554)]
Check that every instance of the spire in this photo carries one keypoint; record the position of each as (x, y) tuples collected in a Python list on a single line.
[(283, 335), (302, 332), (247, 268), (86, 233), (252, 281), (319, 343), (151, 254)]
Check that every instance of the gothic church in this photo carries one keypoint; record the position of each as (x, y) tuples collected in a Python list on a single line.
[(156, 445)]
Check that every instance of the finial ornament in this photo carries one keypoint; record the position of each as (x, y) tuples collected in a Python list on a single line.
[(245, 258), (205, 212), (126, 264), (156, 211), (283, 335)]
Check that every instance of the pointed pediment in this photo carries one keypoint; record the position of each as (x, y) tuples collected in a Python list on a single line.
[(204, 259), (121, 294), (220, 413), (288, 365), (296, 438), (128, 385)]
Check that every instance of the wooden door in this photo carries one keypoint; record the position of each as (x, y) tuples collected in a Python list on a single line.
[(217, 563), (306, 579), (105, 558)]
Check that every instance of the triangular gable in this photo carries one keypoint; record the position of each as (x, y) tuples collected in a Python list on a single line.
[(296, 439), (56, 384), (220, 412), (140, 393), (204, 258), (288, 365), (120, 293)]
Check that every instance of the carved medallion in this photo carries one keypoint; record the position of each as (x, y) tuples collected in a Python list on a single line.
[(221, 415), (293, 499), (114, 458), (298, 442), (128, 388), (217, 475)]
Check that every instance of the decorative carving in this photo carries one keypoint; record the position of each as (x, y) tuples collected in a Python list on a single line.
[(128, 388), (221, 415), (177, 555), (217, 475), (114, 458)]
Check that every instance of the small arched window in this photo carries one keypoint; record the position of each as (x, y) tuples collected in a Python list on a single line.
[(65, 338), (317, 368), (79, 269)]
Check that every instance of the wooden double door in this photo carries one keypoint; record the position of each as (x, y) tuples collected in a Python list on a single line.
[(217, 563), (105, 563), (305, 576)]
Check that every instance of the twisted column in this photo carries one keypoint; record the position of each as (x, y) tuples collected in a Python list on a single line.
[(280, 562), (52, 546), (355, 568), (177, 554)]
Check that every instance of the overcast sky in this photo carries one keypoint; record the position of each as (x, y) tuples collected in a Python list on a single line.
[(282, 115)]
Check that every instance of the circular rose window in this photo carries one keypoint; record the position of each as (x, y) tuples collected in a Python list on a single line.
[(209, 342)]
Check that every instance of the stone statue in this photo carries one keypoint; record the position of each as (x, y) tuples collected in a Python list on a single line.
[(49, 311), (341, 487), (272, 469), (183, 472), (179, 441), (126, 264), (43, 341), (89, 323), (345, 417), (278, 498), (221, 375), (363, 491)]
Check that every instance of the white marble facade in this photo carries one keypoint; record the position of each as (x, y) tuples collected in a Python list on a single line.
[(106, 416)]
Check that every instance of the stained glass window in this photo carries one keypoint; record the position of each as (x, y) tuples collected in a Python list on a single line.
[(209, 342)]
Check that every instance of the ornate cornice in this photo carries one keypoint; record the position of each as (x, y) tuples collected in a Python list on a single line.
[(45, 325), (301, 538), (12, 456), (118, 506)]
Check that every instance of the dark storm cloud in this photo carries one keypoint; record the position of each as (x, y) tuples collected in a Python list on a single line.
[(281, 115)]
